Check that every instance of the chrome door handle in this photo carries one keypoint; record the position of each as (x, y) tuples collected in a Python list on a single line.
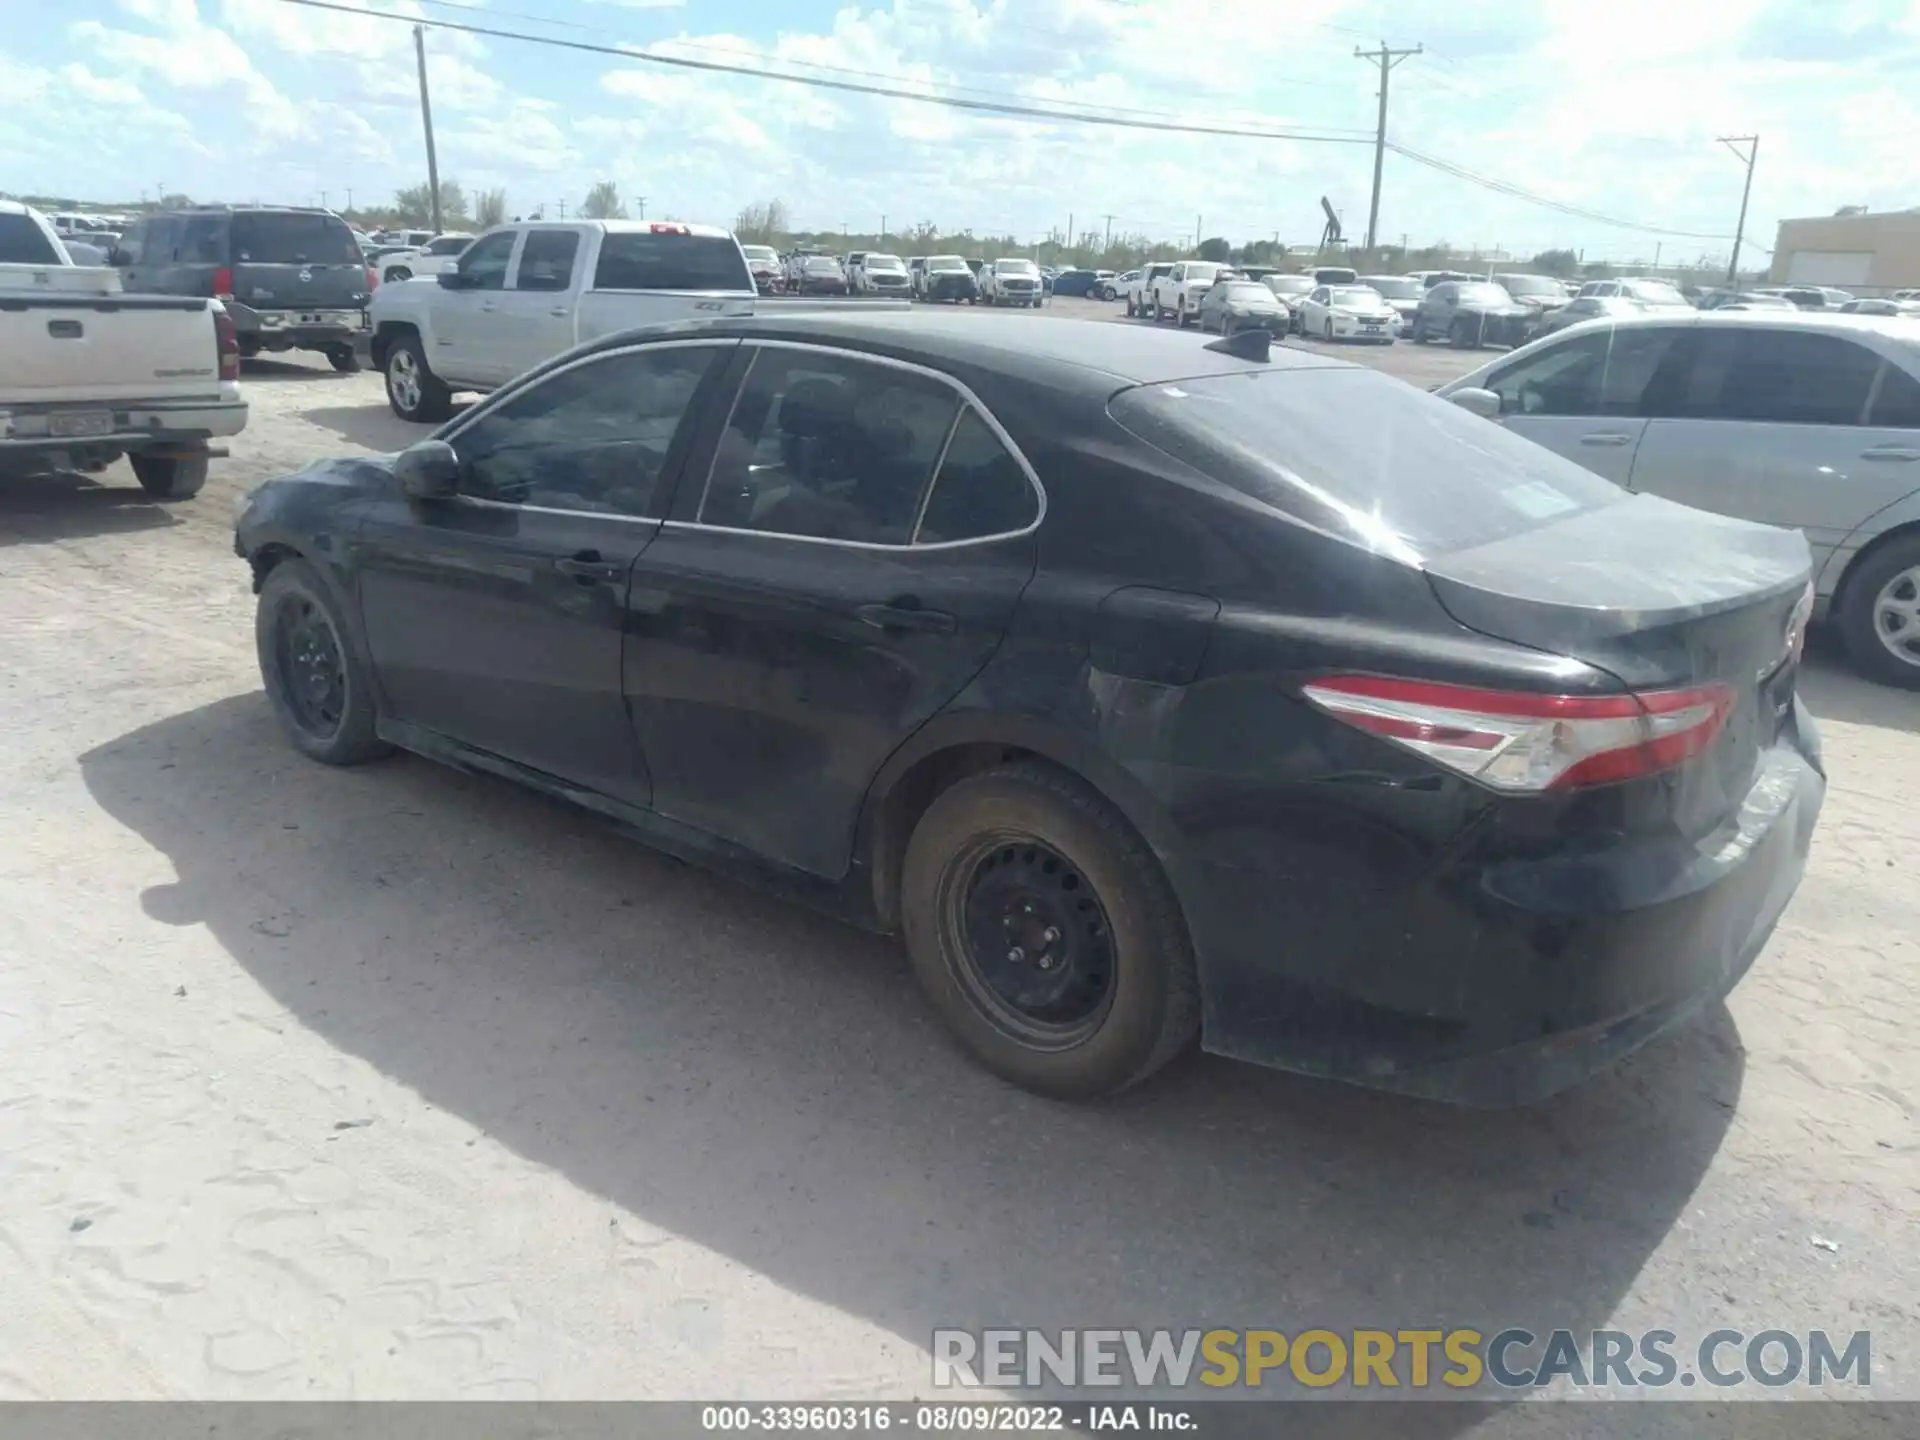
[(559, 312), (1891, 452), (1608, 438), (488, 308)]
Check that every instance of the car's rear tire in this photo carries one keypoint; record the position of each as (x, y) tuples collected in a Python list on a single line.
[(319, 687), (396, 275), (1460, 336), (1028, 857), (414, 391), (343, 359), (1329, 334), (1880, 603), (170, 477)]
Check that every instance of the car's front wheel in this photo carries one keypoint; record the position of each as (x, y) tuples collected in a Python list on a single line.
[(413, 390), (1046, 933), (314, 679), (1879, 614)]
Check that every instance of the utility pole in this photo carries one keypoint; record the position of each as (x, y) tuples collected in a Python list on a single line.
[(563, 207), (426, 121), (1069, 232), (883, 226), (641, 201), (349, 199), (1386, 58), (1733, 143), (1109, 220), (1196, 232)]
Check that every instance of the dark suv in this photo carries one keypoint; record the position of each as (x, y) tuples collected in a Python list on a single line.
[(291, 278)]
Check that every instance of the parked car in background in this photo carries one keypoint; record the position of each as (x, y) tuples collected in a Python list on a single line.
[(763, 263), (1742, 300), (89, 373), (1291, 291), (404, 239), (1139, 292), (523, 293), (1541, 295), (1649, 294), (850, 609), (1880, 307), (1335, 275), (1348, 312), (850, 264), (1586, 307), (1816, 297), (1471, 313), (1431, 278), (1402, 292), (425, 260), (1235, 305), (1117, 288), (1012, 280), (820, 275), (1810, 422), (1178, 293), (882, 274), (290, 278), (1094, 284), (948, 277)]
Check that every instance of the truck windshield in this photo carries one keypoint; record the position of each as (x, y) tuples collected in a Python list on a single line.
[(649, 260), (24, 243)]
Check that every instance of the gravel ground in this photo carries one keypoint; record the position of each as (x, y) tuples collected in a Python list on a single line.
[(400, 1083)]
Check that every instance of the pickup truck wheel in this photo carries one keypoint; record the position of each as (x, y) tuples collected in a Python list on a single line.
[(396, 275), (343, 359), (318, 686), (1046, 933), (414, 391), (170, 477)]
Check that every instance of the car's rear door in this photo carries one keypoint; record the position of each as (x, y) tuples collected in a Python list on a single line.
[(495, 617), (1769, 423), (1584, 397), (304, 262), (810, 603)]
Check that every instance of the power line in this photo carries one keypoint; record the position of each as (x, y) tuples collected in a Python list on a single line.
[(1322, 136)]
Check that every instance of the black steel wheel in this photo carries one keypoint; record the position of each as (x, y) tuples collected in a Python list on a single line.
[(314, 679), (1045, 932)]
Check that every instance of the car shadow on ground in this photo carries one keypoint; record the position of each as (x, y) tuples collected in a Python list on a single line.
[(277, 368), (770, 1085), (1834, 690), (43, 509), (374, 426)]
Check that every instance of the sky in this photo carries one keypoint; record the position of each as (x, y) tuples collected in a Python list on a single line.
[(1609, 108)]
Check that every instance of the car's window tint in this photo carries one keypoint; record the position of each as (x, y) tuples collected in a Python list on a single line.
[(829, 447), (981, 489), (1363, 456), (648, 260), (546, 260), (291, 237), (593, 438), (1604, 374), (1789, 377), (1897, 405), (24, 243), (133, 243), (204, 241), (484, 263), (162, 238)]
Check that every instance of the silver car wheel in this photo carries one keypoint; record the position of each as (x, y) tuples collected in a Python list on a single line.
[(1896, 616), (403, 380)]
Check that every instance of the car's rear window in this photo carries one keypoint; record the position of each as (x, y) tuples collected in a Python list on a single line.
[(648, 260), (293, 238), (1364, 456), (24, 243)]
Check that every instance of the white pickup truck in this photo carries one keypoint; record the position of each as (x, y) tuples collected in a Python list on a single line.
[(526, 292), (1178, 293), (89, 373)]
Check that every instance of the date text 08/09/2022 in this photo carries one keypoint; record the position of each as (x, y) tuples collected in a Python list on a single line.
[(947, 1418)]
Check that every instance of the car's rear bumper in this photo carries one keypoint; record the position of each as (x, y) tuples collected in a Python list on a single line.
[(135, 424), (293, 330), (1489, 982)]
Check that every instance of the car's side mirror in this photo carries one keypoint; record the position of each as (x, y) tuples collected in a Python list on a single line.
[(1473, 399), (428, 470)]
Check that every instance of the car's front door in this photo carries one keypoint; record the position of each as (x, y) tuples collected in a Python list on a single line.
[(810, 604), (1773, 425), (495, 617), (537, 305), (1585, 397), (472, 339)]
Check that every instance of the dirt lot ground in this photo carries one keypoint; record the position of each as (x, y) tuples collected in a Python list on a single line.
[(399, 1083)]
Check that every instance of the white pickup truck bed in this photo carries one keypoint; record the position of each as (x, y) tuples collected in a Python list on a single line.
[(89, 373)]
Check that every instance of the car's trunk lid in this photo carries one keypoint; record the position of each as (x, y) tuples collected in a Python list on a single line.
[(1661, 596)]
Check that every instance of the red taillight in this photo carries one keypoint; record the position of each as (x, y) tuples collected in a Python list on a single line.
[(223, 283), (227, 343), (663, 227), (1525, 742), (373, 279)]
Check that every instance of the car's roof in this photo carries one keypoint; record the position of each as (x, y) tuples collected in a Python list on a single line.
[(662, 227), (1102, 349), (1892, 326)]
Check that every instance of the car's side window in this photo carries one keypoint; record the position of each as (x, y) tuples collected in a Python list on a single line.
[(594, 437), (546, 260), (205, 240), (829, 447), (485, 262), (163, 237), (1896, 404), (980, 490), (1787, 377), (1559, 380), (131, 243), (1319, 296)]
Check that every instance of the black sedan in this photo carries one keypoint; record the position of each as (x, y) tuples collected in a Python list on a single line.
[(1151, 689), (1235, 305), (1471, 313)]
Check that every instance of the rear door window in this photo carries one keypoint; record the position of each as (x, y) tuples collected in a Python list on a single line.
[(980, 490), (1896, 404), (646, 260), (546, 260), (204, 240), (1363, 457), (163, 239), (292, 237), (24, 243), (1785, 377)]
